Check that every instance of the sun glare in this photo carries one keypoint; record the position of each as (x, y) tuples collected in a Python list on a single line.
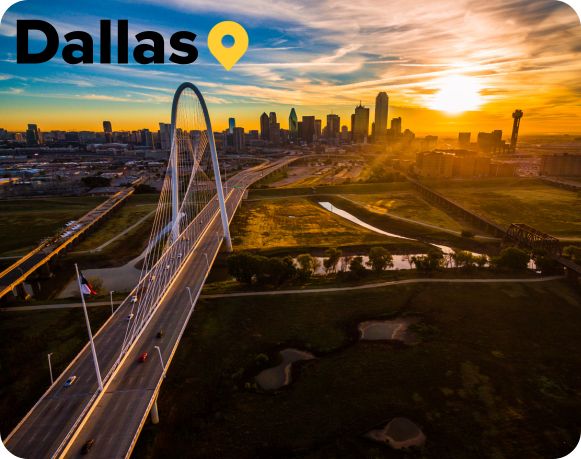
[(456, 94)]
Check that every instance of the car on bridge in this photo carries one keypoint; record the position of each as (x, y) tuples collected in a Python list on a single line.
[(142, 357), (88, 446), (69, 382), (130, 316)]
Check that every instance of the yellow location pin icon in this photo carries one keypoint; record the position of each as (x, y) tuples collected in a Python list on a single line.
[(228, 56)]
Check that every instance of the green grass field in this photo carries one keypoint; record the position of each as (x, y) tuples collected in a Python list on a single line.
[(41, 217), (496, 375), (299, 222), (550, 209), (25, 340), (135, 208)]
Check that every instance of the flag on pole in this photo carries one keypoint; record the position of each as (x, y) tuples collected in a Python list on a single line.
[(86, 288)]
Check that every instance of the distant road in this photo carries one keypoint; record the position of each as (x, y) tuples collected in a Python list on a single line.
[(385, 284)]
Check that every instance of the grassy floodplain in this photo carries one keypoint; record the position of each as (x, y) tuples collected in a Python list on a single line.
[(300, 222), (519, 200), (495, 375), (41, 217)]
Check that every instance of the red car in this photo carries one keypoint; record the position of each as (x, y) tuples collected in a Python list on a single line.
[(142, 357)]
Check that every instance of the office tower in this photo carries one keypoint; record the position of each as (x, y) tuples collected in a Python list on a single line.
[(239, 142), (300, 130), (517, 115), (396, 127), (464, 139), (318, 124), (264, 127), (361, 124), (108, 130), (32, 135), (381, 110), (497, 141), (333, 124), (308, 128), (145, 138), (165, 136), (293, 125), (274, 132), (231, 125)]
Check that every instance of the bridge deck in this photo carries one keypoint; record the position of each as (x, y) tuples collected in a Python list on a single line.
[(116, 417)]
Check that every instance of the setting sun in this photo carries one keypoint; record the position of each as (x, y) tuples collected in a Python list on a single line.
[(456, 94)]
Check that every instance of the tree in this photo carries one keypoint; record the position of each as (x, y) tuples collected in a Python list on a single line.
[(242, 266), (380, 259), (512, 258), (428, 263), (356, 267), (462, 258), (330, 263), (278, 270), (573, 252), (481, 260), (95, 181), (307, 265)]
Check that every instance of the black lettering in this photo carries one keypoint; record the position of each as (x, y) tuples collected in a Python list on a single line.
[(105, 46), (23, 56), (123, 41), (157, 48), (178, 45), (85, 48)]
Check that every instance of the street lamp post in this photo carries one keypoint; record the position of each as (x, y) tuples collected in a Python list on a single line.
[(111, 300), (161, 361), (190, 293), (50, 369)]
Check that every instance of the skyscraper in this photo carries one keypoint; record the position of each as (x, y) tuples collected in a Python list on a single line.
[(231, 125), (293, 125), (333, 123), (264, 127), (239, 141), (318, 124), (308, 128), (273, 128), (517, 115), (32, 135), (396, 127), (165, 136), (381, 110), (108, 130), (361, 124), (464, 139)]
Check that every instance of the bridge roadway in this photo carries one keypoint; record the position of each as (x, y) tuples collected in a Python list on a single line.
[(64, 418), (17, 273)]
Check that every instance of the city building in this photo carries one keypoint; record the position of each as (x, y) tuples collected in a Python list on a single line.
[(293, 125), (395, 130), (165, 136), (231, 125), (108, 130), (361, 124), (435, 164), (464, 139), (561, 165), (239, 141), (333, 126), (318, 124), (381, 111), (308, 128), (273, 128), (33, 135), (264, 127)]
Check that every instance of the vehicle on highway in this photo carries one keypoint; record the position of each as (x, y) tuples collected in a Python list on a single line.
[(134, 299), (142, 357), (160, 334), (87, 446), (130, 316), (69, 382)]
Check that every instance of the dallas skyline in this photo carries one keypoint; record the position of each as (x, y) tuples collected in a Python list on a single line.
[(448, 67)]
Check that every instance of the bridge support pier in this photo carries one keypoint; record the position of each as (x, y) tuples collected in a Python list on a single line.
[(154, 413)]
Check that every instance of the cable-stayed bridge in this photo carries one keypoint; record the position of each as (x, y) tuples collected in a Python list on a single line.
[(190, 224)]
